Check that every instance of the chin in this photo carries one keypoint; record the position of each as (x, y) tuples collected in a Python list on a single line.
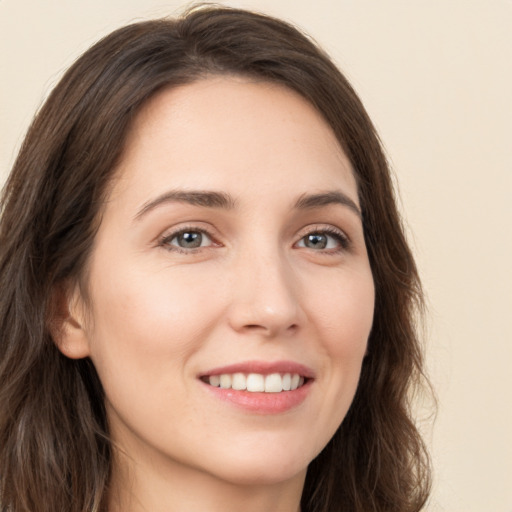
[(266, 466), (262, 475)]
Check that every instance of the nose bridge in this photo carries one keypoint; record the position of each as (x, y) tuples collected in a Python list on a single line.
[(265, 297)]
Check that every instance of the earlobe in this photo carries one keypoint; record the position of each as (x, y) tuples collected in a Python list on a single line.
[(66, 321)]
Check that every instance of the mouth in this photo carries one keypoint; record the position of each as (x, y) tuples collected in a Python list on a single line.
[(257, 382), (261, 387)]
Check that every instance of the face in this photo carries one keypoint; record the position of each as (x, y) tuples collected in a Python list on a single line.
[(230, 255)]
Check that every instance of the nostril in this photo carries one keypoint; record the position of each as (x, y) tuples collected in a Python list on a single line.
[(257, 327)]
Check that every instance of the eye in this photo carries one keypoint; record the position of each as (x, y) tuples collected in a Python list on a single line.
[(189, 238), (325, 239)]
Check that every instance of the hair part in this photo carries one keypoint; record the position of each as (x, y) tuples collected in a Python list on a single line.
[(55, 452)]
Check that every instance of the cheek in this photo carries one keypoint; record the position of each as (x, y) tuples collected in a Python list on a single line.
[(146, 328), (145, 333), (155, 310), (345, 311), (344, 320)]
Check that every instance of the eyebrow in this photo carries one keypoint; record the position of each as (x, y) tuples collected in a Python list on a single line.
[(310, 201), (206, 199), (212, 199)]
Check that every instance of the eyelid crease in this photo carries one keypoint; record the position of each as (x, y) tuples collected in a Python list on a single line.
[(319, 227)]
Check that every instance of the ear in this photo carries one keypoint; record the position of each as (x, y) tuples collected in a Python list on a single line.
[(66, 321)]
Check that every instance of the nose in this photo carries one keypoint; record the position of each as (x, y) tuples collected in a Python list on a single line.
[(265, 297)]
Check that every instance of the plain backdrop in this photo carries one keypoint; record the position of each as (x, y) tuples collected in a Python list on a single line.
[(436, 78)]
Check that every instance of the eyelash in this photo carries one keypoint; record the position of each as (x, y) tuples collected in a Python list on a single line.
[(338, 235)]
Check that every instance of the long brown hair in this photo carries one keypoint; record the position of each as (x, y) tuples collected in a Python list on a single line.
[(55, 452)]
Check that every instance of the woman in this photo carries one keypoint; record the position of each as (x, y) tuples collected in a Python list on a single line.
[(207, 297)]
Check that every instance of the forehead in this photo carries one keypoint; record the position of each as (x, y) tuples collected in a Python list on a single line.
[(232, 132)]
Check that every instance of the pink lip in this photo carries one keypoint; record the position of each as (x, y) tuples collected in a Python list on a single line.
[(262, 403)]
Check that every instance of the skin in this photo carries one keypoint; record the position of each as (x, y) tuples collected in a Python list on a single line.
[(158, 315)]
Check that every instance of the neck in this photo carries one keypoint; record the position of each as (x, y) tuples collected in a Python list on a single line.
[(142, 487)]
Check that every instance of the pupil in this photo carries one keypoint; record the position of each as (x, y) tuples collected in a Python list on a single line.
[(316, 241), (190, 240)]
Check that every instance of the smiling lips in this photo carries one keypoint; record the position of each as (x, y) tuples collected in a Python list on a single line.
[(261, 387), (257, 382)]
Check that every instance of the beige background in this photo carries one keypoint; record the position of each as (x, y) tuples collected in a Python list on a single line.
[(436, 77)]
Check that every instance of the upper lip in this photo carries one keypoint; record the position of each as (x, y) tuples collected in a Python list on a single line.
[(262, 367)]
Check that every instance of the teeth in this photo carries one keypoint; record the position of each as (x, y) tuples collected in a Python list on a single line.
[(273, 383), (239, 381), (256, 382), (295, 381), (215, 380), (225, 381)]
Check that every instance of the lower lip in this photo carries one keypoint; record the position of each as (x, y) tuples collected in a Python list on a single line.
[(262, 403)]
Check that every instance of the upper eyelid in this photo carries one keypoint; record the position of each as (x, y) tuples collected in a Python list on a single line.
[(173, 232), (178, 231), (324, 228)]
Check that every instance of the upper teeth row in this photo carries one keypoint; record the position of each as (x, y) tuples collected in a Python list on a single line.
[(256, 382)]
